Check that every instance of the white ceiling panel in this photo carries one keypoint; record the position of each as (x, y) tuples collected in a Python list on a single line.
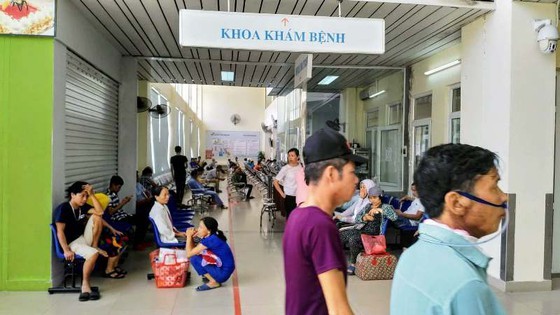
[(148, 29)]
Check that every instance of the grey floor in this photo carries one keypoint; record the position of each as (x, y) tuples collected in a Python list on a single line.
[(259, 275)]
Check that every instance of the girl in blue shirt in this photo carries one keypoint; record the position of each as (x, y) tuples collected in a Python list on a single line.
[(212, 257)]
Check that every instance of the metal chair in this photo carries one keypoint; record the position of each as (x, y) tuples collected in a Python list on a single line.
[(268, 207), (71, 268)]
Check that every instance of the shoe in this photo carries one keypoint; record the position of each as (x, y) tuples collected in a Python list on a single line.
[(84, 296), (94, 295), (351, 270), (113, 275), (206, 287), (219, 191), (250, 197), (223, 207)]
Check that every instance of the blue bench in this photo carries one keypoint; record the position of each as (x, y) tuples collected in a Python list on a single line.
[(71, 268)]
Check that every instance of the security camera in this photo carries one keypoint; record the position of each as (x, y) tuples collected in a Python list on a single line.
[(547, 36)]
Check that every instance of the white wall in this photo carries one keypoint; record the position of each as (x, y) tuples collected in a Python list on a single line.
[(508, 89), (74, 30), (220, 102)]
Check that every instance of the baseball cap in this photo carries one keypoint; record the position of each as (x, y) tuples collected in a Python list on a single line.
[(327, 143)]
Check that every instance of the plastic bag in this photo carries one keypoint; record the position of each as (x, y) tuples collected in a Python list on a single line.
[(374, 244)]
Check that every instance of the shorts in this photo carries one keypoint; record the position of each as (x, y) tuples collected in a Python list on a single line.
[(82, 245)]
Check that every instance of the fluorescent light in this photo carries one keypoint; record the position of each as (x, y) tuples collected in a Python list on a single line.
[(377, 94), (441, 68), (328, 80), (227, 76)]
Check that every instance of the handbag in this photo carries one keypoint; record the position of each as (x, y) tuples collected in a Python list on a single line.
[(374, 244), (168, 273)]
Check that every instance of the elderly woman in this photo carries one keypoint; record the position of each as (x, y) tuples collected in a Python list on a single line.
[(348, 217), (212, 257), (369, 220), (444, 272), (162, 217)]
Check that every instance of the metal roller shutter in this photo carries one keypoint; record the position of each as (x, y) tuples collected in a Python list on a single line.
[(91, 113)]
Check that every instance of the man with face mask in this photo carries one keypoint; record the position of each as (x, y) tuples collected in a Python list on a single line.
[(445, 271)]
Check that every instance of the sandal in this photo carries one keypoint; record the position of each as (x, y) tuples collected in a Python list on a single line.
[(84, 296), (351, 270), (113, 275), (121, 271), (206, 287)]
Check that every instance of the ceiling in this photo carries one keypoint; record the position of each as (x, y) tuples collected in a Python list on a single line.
[(149, 30)]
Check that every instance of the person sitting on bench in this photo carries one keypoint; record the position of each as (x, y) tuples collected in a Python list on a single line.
[(239, 177), (162, 217), (194, 184), (78, 234), (412, 215)]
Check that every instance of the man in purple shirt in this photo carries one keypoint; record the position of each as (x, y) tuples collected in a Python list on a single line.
[(314, 262)]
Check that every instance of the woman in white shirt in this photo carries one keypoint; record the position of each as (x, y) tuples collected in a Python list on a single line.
[(288, 178), (162, 217)]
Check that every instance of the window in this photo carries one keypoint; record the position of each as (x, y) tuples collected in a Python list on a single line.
[(394, 114), (421, 129), (423, 107), (372, 118), (390, 160), (455, 115), (159, 136)]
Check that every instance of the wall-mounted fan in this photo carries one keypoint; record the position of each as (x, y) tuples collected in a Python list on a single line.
[(266, 128), (142, 104), (336, 124), (235, 119), (159, 111)]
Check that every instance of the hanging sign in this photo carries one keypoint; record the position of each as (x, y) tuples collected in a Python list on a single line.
[(303, 69), (272, 32)]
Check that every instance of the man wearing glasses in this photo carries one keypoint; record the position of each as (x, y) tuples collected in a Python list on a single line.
[(445, 271)]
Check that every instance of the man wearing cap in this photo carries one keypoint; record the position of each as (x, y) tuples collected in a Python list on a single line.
[(444, 272), (314, 261)]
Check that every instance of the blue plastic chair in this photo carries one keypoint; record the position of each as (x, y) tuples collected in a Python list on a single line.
[(159, 242), (70, 268)]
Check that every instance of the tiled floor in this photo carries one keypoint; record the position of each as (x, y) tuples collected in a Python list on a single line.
[(260, 278)]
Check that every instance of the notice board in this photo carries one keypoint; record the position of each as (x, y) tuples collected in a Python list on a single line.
[(232, 144)]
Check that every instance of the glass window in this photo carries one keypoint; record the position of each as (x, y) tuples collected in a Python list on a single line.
[(423, 107), (159, 136), (456, 100), (455, 116), (456, 130), (372, 118), (421, 141), (394, 114), (390, 158)]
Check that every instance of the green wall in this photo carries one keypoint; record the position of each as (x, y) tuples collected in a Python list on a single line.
[(26, 109)]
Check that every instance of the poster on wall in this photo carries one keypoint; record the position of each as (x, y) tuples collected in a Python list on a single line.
[(27, 17), (230, 144)]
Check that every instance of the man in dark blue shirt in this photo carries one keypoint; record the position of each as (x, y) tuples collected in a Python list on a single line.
[(79, 235)]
